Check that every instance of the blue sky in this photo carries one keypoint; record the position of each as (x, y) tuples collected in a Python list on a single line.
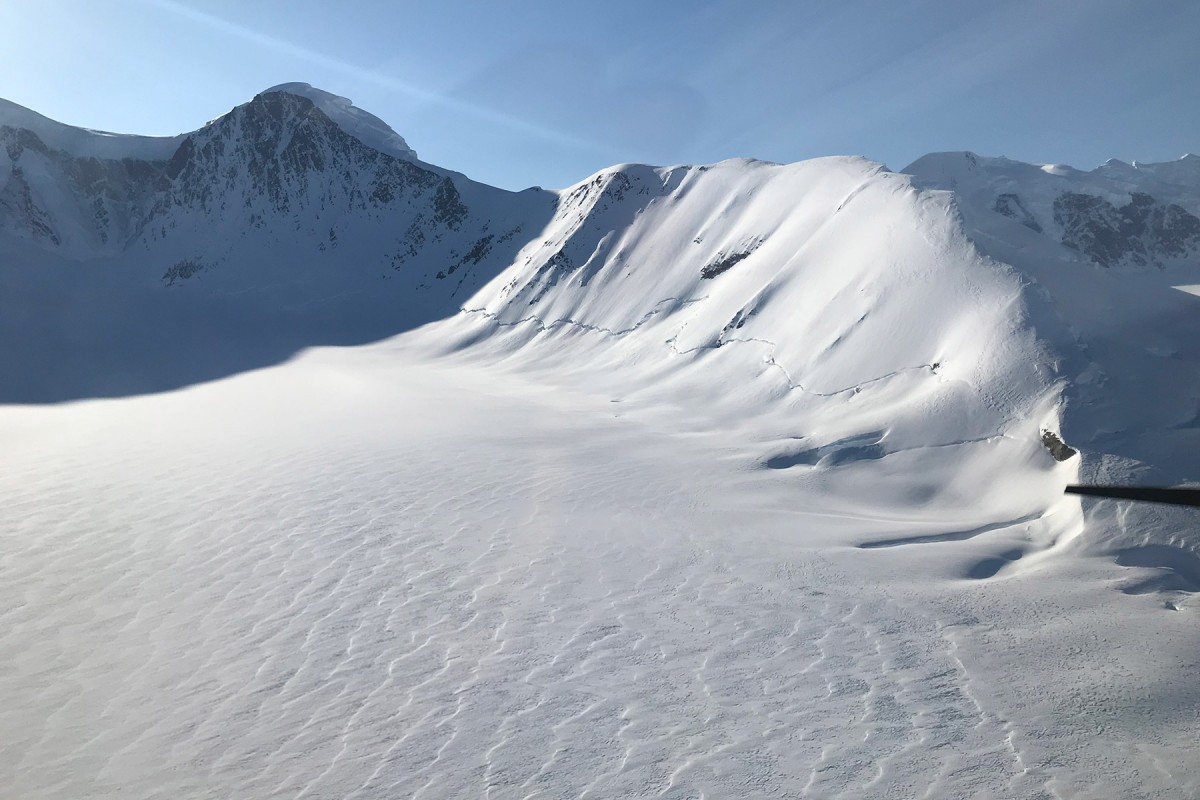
[(533, 92)]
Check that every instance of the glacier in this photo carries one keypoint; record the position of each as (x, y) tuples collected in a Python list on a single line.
[(334, 473)]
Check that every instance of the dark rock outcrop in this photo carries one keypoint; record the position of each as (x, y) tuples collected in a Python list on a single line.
[(1142, 232), (1010, 206), (1059, 449)]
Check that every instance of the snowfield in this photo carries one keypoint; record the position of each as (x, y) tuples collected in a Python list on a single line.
[(334, 474), (363, 574)]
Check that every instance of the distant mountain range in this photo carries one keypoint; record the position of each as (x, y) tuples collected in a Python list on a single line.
[(298, 154)]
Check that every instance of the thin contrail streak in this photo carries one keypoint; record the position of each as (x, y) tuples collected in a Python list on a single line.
[(358, 73)]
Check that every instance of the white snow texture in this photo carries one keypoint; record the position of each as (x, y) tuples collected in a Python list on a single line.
[(331, 473)]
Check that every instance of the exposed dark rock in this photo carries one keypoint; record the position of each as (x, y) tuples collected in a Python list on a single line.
[(182, 270), (448, 207), (17, 140), (1141, 232), (276, 155), (1056, 446), (282, 149), (606, 189), (724, 263), (478, 251), (18, 205), (1010, 206), (727, 260), (739, 320)]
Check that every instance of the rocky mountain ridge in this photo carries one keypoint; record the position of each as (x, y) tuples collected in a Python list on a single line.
[(1117, 215), (282, 155), (277, 173)]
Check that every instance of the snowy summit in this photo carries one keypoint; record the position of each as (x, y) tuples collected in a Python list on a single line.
[(367, 128)]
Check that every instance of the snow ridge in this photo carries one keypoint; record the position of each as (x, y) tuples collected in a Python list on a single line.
[(366, 127), (84, 142)]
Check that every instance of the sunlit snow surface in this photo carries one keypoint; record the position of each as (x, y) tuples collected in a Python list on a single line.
[(370, 573), (727, 481)]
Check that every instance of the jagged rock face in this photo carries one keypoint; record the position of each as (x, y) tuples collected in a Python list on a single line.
[(279, 173), (280, 154), (22, 212), (276, 172), (1117, 215), (84, 203), (589, 213), (1141, 232)]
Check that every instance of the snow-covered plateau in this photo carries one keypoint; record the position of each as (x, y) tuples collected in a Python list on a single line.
[(331, 473)]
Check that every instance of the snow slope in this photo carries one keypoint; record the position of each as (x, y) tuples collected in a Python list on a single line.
[(747, 289), (725, 479), (369, 574), (1125, 338)]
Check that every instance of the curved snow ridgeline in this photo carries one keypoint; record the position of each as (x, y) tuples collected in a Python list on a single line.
[(832, 296), (362, 125), (84, 142)]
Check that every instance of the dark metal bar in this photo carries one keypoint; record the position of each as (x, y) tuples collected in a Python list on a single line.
[(1146, 494)]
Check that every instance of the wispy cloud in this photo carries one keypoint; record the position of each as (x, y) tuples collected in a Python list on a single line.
[(332, 64)]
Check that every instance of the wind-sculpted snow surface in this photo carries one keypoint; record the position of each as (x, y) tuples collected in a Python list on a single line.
[(429, 580), (740, 480)]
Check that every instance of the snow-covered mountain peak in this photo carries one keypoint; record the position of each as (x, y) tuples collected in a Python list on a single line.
[(1183, 171), (362, 125), (949, 169), (1186, 159), (1117, 214), (289, 150), (84, 142), (954, 168)]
